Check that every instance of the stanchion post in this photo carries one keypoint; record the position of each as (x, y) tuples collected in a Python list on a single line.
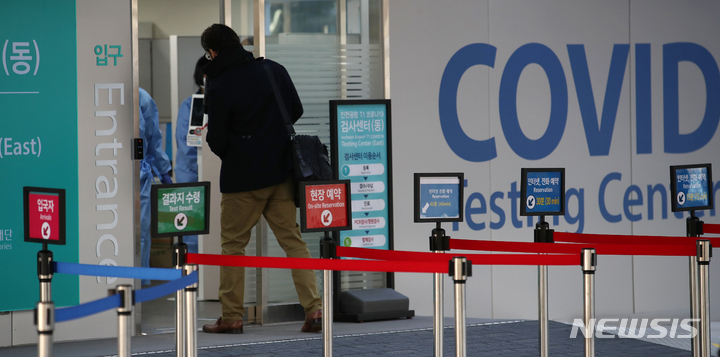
[(327, 250), (460, 269), (45, 322), (694, 228), (543, 234), (45, 312), (179, 259), (589, 262), (191, 313), (124, 312), (704, 254), (439, 243), (45, 273)]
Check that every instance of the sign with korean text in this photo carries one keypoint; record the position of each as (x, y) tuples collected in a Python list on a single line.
[(180, 209), (691, 187), (38, 146), (44, 215), (325, 206), (439, 197), (102, 52), (361, 150), (542, 192)]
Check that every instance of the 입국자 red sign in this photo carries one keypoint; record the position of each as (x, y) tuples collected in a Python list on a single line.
[(44, 215), (326, 206)]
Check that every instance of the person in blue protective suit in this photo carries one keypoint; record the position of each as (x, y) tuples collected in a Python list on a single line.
[(154, 161), (186, 168)]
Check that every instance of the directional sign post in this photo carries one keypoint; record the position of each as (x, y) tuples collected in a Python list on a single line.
[(690, 190), (438, 198), (180, 209), (542, 192), (361, 138), (361, 153)]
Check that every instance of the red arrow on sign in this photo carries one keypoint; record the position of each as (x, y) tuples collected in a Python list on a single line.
[(326, 218)]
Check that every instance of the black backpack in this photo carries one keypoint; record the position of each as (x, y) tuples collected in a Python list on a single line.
[(316, 157)]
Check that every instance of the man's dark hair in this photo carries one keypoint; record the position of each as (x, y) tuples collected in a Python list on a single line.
[(217, 37), (198, 75)]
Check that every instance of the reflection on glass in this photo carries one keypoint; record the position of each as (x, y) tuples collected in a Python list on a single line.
[(303, 36), (242, 21)]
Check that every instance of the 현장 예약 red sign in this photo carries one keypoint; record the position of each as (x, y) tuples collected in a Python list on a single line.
[(325, 206)]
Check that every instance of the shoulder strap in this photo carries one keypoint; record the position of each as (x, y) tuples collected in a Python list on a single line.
[(278, 97), (305, 170)]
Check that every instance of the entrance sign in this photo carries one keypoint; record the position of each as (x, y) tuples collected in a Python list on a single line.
[(180, 209), (361, 153), (44, 215), (691, 187), (439, 197), (542, 192), (325, 206)]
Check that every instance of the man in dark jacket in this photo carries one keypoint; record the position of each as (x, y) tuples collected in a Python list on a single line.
[(246, 130)]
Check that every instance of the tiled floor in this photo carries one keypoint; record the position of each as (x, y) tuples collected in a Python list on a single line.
[(402, 337)]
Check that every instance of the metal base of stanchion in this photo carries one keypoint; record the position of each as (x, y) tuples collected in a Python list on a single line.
[(589, 262), (439, 243), (460, 269), (125, 320), (543, 317), (704, 253), (327, 250), (45, 321), (179, 254), (190, 313), (327, 316), (438, 314)]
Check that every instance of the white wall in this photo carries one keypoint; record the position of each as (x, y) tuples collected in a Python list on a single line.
[(424, 37), (425, 34), (178, 17)]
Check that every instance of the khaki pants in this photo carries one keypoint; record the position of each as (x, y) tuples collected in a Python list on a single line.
[(240, 212)]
